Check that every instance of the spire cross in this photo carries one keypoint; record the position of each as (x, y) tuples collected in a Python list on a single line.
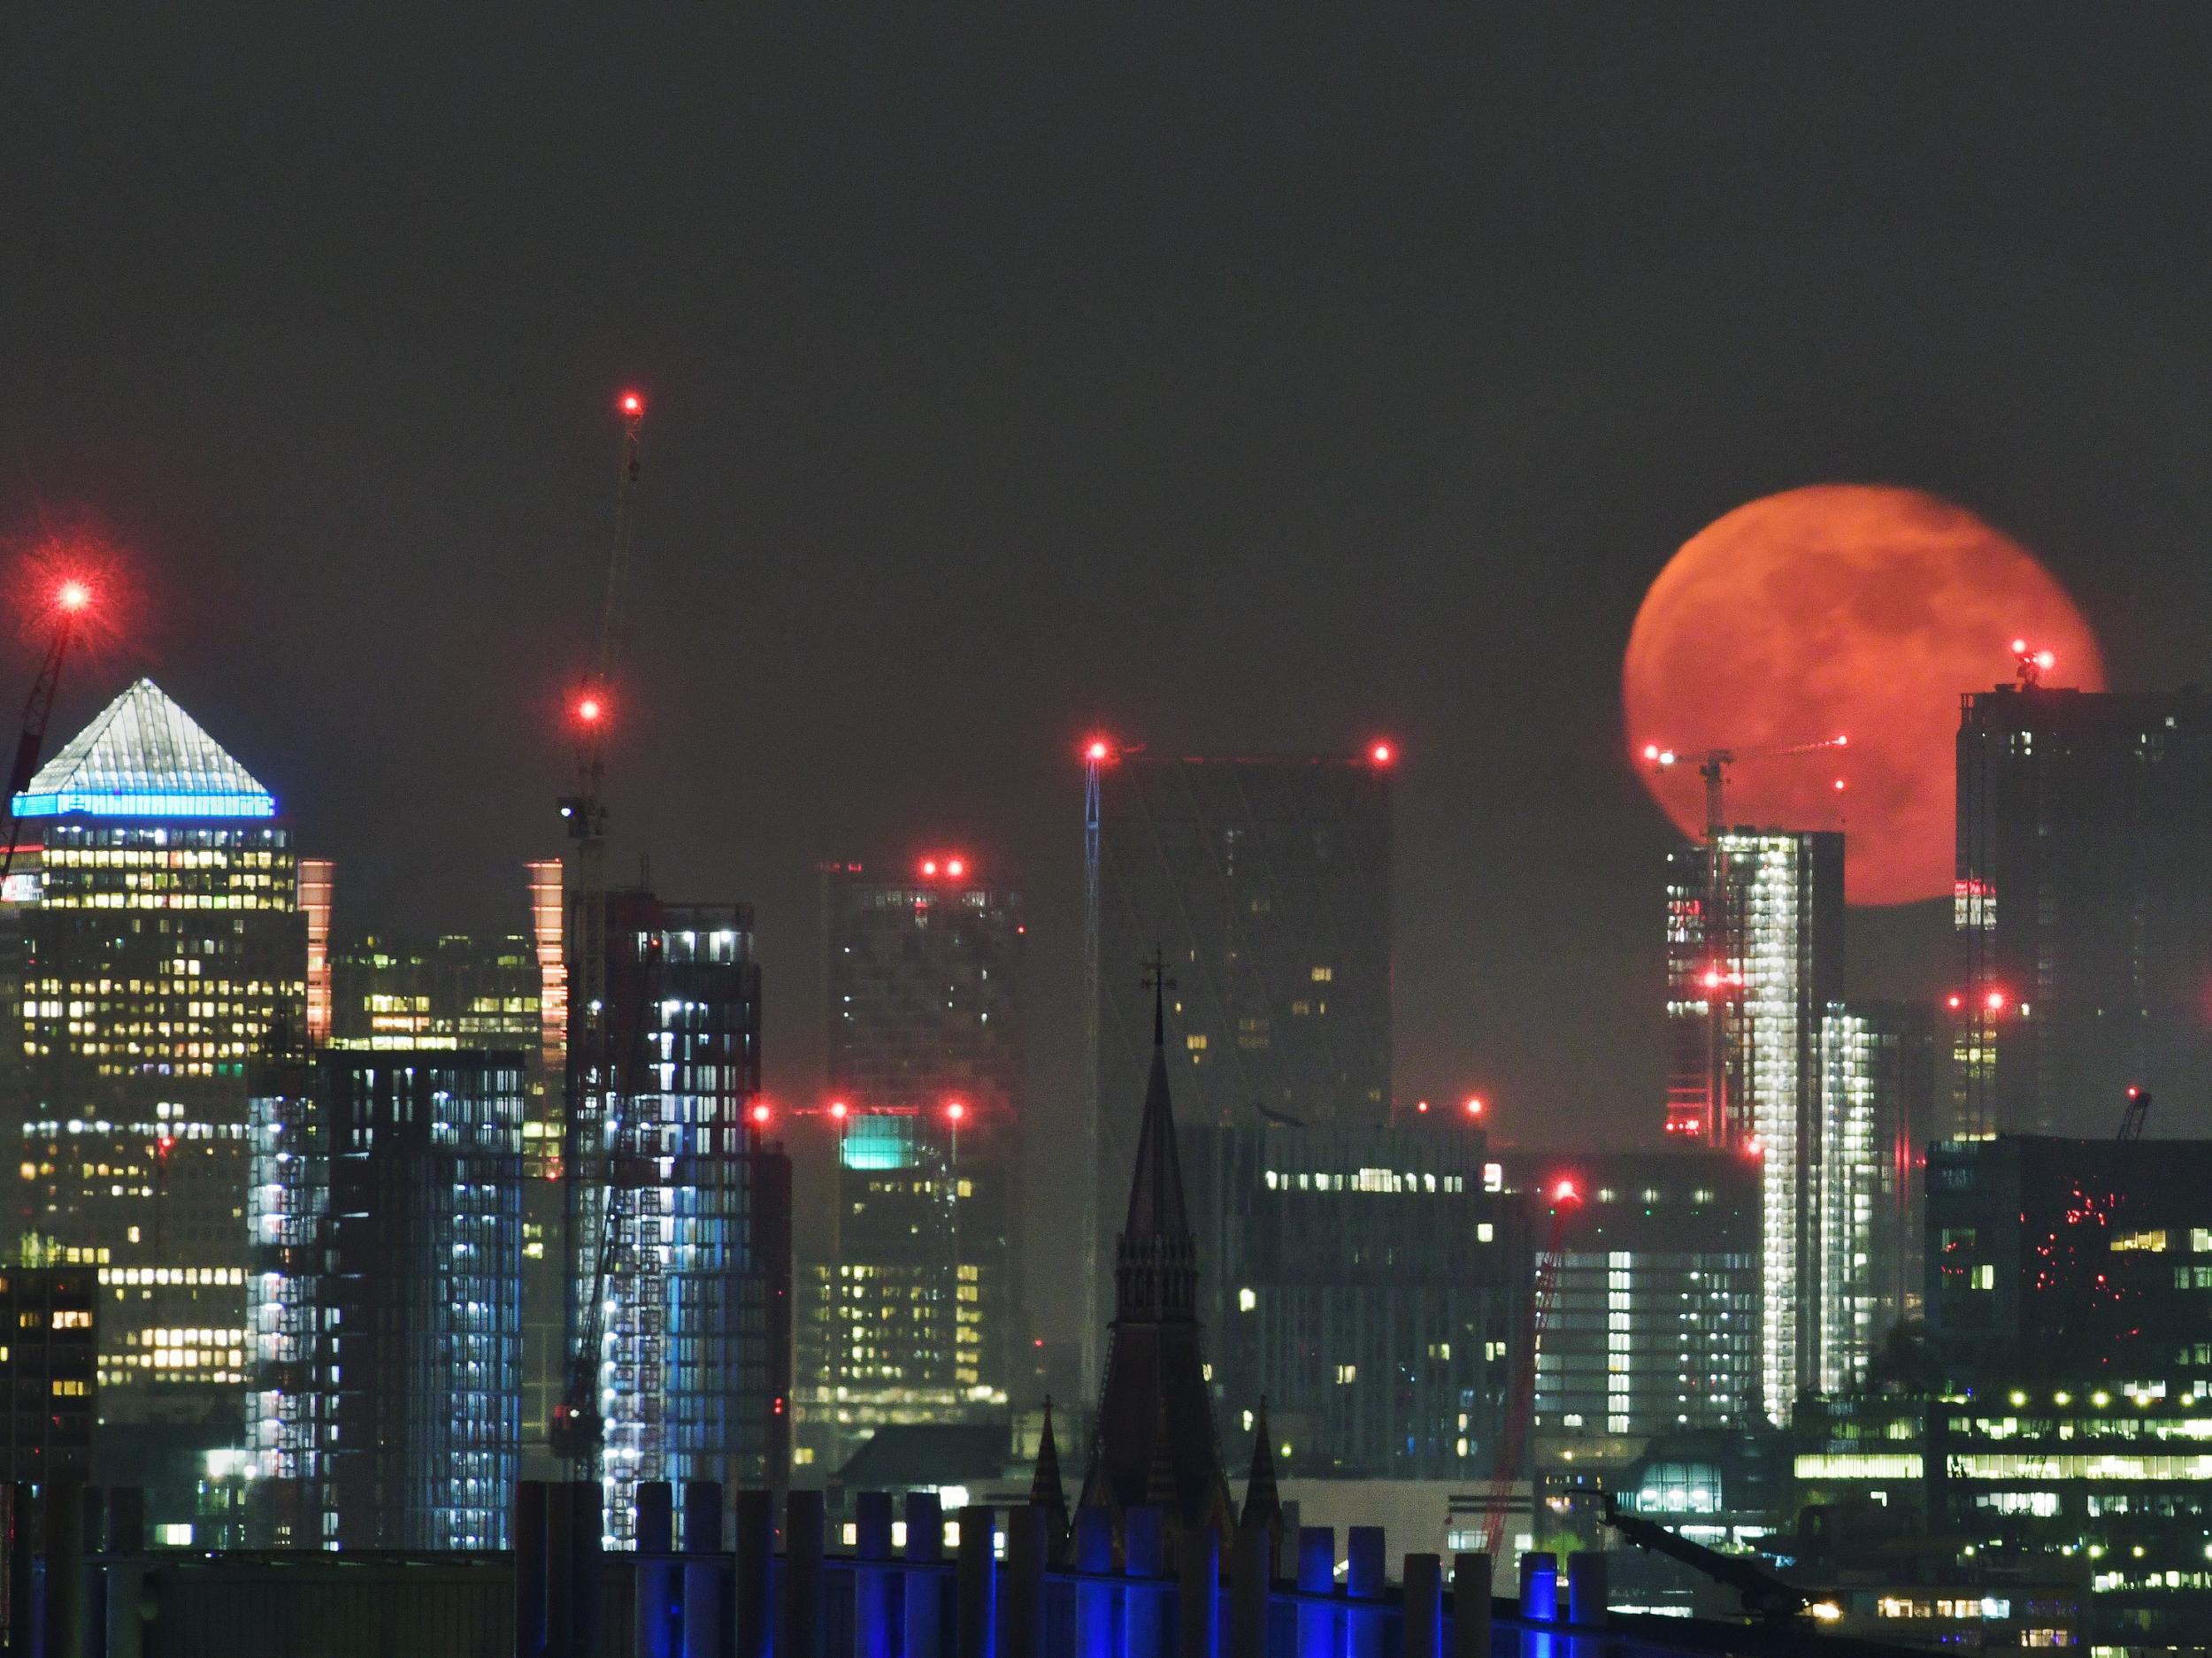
[(1159, 983)]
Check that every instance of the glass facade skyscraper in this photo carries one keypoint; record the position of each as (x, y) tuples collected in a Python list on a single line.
[(162, 947), (458, 992), (1755, 958), (685, 1245), (386, 1306), (2084, 909), (1266, 885)]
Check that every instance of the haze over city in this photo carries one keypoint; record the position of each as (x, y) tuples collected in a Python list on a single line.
[(1520, 392)]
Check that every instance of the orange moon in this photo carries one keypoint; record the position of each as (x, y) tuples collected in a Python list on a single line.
[(1840, 609)]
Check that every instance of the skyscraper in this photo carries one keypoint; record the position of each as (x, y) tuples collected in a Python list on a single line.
[(1369, 1284), (2083, 907), (1876, 1100), (1265, 884), (1655, 1315), (458, 992), (682, 1269), (1754, 956), (911, 1303), (385, 1312), (163, 946)]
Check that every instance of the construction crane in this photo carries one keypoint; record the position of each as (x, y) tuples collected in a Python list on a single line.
[(588, 1201), (1761, 1593), (1520, 1404), (2131, 1120), (71, 603), (1713, 764)]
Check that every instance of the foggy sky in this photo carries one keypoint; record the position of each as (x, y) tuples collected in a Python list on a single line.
[(1231, 380)]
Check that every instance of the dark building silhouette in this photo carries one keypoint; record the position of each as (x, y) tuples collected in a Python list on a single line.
[(2083, 907), (48, 1372), (2072, 1262), (1266, 883), (1154, 1442), (910, 1308), (1369, 1284)]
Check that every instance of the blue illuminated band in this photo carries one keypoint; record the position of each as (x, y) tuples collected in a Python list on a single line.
[(147, 803)]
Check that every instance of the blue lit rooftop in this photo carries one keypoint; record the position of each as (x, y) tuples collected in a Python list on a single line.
[(144, 756)]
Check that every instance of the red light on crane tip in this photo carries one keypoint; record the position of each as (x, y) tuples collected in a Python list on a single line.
[(2019, 646), (1843, 739), (589, 710), (1651, 751), (1474, 1105), (631, 404), (1421, 1106), (760, 1114), (838, 1109), (72, 595), (1995, 1001), (2047, 659), (954, 1110), (1955, 1002), (956, 867), (1098, 750), (1382, 754), (929, 867), (1839, 785), (1565, 1192)]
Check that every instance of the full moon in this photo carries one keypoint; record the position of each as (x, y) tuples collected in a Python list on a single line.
[(1842, 610)]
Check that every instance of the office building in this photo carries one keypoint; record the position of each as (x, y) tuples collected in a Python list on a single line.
[(385, 1313), (458, 992), (1653, 1324), (911, 1305), (163, 946), (1877, 1101), (2084, 909), (681, 1251), (1369, 1284), (1266, 885), (1755, 958), (2072, 1260), (48, 1371)]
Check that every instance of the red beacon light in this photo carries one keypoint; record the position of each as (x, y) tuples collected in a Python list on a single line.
[(839, 1109), (1382, 754), (72, 597), (632, 404), (929, 867), (1565, 1192), (590, 711), (1955, 1002), (760, 1115), (954, 1111), (1994, 1001), (1422, 1106), (1098, 751), (1474, 1105), (956, 867)]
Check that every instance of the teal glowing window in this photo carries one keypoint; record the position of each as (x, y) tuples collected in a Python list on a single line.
[(879, 1141)]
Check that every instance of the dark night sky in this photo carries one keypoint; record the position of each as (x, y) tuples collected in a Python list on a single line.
[(1240, 381)]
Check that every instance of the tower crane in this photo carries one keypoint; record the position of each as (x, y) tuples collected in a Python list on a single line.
[(1520, 1404), (71, 601), (2138, 1112), (589, 1206), (1713, 764)]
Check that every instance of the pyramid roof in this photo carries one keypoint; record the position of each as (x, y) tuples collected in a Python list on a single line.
[(143, 756)]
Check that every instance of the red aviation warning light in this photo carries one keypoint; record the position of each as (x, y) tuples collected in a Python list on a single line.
[(760, 1114), (590, 708), (1955, 1002), (632, 404), (1098, 751), (1995, 1001), (1474, 1105), (1382, 752), (839, 1109), (72, 597), (1565, 1192), (956, 1110), (956, 867)]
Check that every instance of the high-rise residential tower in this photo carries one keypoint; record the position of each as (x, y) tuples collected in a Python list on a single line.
[(1754, 956), (2083, 907), (1877, 1101), (911, 1303), (385, 1311), (163, 947), (459, 991), (681, 1266), (1265, 885)]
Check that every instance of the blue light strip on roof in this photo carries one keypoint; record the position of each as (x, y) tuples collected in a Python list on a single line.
[(147, 803)]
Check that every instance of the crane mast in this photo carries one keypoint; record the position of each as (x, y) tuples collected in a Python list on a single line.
[(71, 600), (587, 1191)]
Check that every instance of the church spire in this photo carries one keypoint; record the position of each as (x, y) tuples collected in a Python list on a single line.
[(1262, 1502), (1045, 1489), (1155, 1195)]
